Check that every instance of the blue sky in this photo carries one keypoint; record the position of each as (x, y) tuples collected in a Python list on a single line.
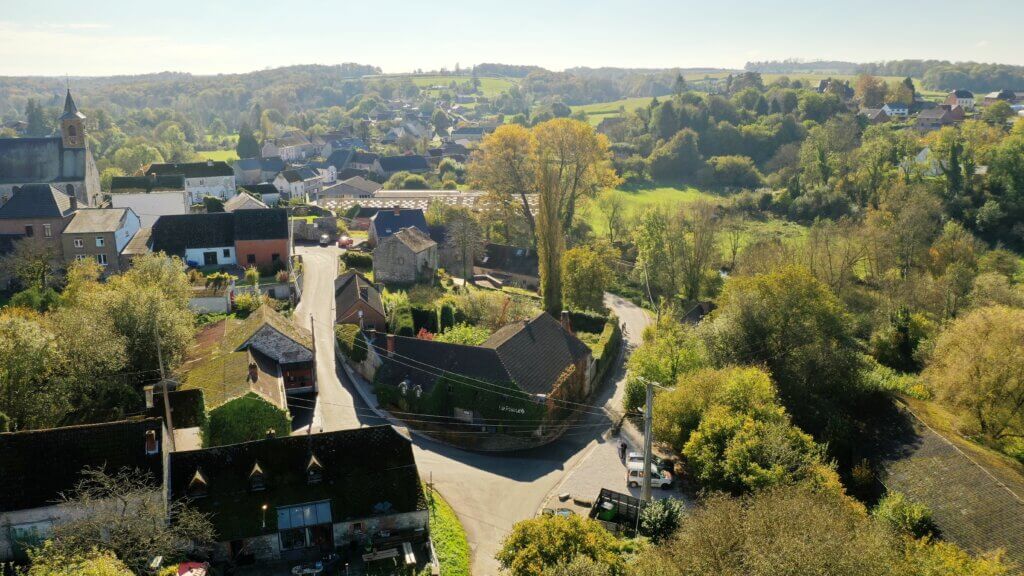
[(99, 37)]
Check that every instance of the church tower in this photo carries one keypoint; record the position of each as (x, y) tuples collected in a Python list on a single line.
[(72, 124)]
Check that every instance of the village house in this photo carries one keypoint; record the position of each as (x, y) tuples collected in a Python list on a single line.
[(303, 183), (504, 265), (244, 201), (265, 192), (256, 170), (540, 357), (874, 115), (239, 238), (209, 178), (388, 166), (469, 134), (63, 161), (295, 498), (962, 98), (266, 355), (1008, 96), (934, 118), (41, 465), (897, 110), (293, 146), (37, 211), (361, 160), (386, 222), (358, 301), (355, 187), (150, 197), (348, 143), (405, 257), (100, 234)]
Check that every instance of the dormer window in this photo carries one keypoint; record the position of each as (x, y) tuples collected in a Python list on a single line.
[(197, 487), (257, 480), (152, 445), (314, 471)]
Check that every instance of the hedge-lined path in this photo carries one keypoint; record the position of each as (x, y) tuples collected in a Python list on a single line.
[(489, 492)]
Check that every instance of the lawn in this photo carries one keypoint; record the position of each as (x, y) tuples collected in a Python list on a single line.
[(489, 86), (597, 112), (448, 535), (218, 155)]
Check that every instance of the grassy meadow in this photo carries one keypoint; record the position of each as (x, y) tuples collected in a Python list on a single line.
[(218, 155)]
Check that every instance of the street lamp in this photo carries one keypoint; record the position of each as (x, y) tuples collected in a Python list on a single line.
[(264, 508)]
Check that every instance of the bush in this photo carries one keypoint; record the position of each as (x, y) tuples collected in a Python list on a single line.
[(464, 334), (36, 299), (446, 315), (247, 303), (272, 269), (243, 419), (351, 341), (904, 516), (357, 260), (660, 519), (282, 276), (402, 322), (424, 317), (587, 321)]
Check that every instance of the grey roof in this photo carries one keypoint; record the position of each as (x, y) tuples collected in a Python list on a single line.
[(340, 158), (243, 201), (265, 224), (414, 239), (962, 93), (248, 164), (176, 233), (70, 109), (96, 220), (410, 163), (207, 169), (37, 201), (536, 352), (361, 157), (261, 189), (272, 164), (387, 222), (121, 184), (937, 113), (355, 186), (139, 244), (353, 286), (278, 346)]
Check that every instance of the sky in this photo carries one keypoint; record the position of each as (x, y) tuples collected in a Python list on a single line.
[(107, 37)]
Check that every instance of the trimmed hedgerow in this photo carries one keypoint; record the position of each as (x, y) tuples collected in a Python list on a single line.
[(351, 342)]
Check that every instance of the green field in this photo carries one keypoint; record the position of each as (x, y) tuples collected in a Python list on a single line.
[(598, 112), (219, 155), (489, 86)]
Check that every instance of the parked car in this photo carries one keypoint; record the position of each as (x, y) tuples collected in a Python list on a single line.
[(325, 239), (659, 478), (638, 458)]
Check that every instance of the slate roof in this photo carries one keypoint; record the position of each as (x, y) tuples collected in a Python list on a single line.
[(38, 465), (366, 472), (272, 164), (355, 186), (96, 220), (208, 169), (70, 108), (532, 354), (176, 233), (37, 201), (511, 259), (247, 164), (261, 189), (962, 93), (410, 163), (361, 157), (244, 201), (937, 113), (291, 176), (123, 184), (340, 158), (352, 287), (414, 239), (387, 222)]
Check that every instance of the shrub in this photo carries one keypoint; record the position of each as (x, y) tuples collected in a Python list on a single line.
[(446, 316), (904, 516), (282, 276), (195, 276), (424, 317), (402, 322), (587, 321), (36, 299), (247, 303), (351, 342), (271, 269), (660, 519), (464, 334), (243, 419), (357, 260)]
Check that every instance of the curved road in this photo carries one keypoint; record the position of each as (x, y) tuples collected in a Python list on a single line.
[(489, 492)]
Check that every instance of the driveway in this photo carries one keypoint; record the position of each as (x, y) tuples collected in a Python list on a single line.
[(489, 492)]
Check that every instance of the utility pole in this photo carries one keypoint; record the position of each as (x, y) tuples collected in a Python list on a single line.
[(163, 387), (648, 424)]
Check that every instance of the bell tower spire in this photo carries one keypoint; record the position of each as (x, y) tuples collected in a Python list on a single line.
[(72, 124)]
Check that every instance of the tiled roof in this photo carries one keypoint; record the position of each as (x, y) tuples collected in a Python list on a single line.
[(404, 163), (206, 169), (38, 465), (511, 259), (122, 184), (243, 201), (96, 220), (36, 201), (366, 472), (414, 239), (261, 189), (175, 233), (536, 352), (351, 287), (387, 222), (265, 224), (361, 157)]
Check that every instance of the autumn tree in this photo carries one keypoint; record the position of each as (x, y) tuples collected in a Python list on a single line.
[(977, 366), (871, 91), (505, 165), (612, 208), (586, 274), (464, 236), (537, 545), (33, 262)]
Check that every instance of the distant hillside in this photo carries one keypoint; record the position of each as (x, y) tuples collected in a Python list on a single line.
[(935, 74), (803, 67)]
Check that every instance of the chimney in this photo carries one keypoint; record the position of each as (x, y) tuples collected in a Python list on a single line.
[(565, 321), (391, 345), (398, 210), (74, 203)]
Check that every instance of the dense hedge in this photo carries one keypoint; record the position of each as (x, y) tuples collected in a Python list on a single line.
[(424, 317), (446, 316), (586, 321), (351, 342), (607, 348), (402, 321), (357, 260), (243, 419)]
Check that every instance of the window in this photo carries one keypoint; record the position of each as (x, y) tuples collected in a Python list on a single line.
[(275, 257), (101, 259), (250, 258), (257, 480), (30, 231), (79, 243), (31, 534), (80, 256), (304, 525), (48, 230), (227, 252), (99, 242)]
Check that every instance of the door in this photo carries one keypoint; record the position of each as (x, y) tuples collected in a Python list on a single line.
[(209, 258)]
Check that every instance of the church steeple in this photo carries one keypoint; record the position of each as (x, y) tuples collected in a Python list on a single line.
[(72, 125)]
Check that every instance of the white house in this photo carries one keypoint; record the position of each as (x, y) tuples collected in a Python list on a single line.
[(897, 110), (150, 197), (201, 178), (304, 183), (962, 98)]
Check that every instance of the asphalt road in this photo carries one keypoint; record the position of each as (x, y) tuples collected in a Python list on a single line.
[(488, 492)]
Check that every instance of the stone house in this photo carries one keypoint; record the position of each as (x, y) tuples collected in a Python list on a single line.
[(295, 498), (405, 257), (358, 301), (100, 234), (384, 223), (37, 211)]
